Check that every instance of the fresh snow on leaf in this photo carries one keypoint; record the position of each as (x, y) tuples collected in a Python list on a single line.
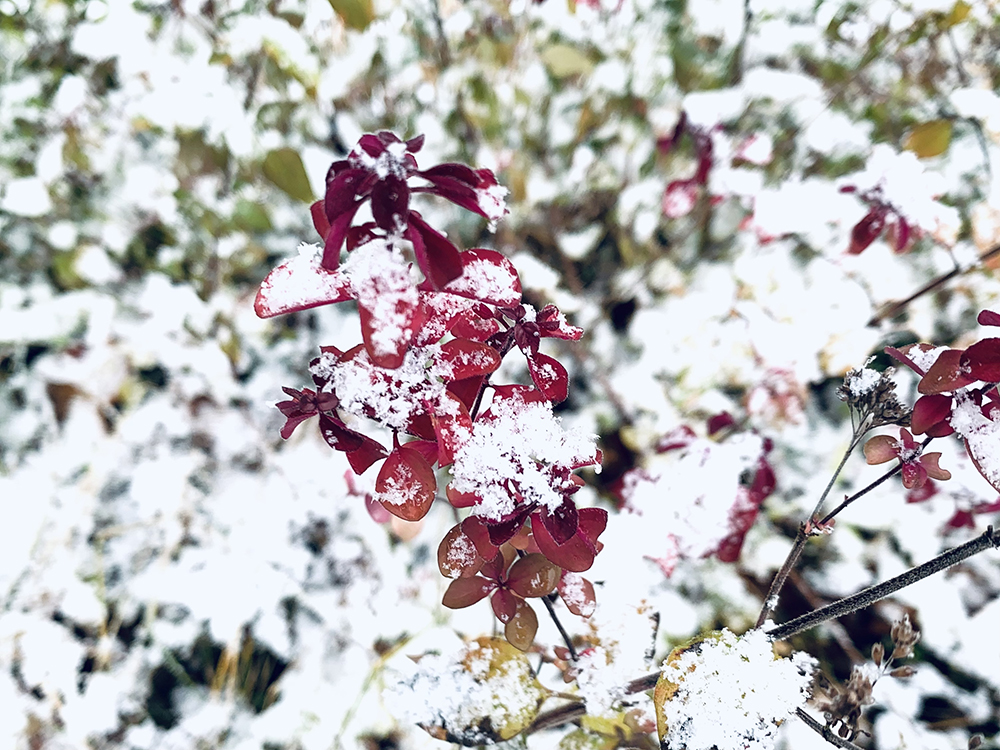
[(518, 444), (731, 692)]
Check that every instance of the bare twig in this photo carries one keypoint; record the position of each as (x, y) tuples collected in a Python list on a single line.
[(869, 596), (894, 308), (825, 732)]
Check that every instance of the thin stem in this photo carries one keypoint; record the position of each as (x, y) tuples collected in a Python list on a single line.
[(860, 493), (562, 631), (778, 583), (869, 596), (930, 286), (825, 732)]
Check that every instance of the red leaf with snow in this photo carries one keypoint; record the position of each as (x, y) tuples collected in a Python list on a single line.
[(549, 376), (469, 359), (464, 592), (487, 276), (501, 531), (476, 530), (533, 576), (577, 594), (426, 448), (552, 324), (388, 335), (334, 239), (298, 284), (679, 437), (453, 426), (463, 500), (405, 485), (457, 555), (390, 203), (982, 360), (946, 374)]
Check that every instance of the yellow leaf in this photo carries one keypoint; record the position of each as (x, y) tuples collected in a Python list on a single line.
[(929, 139), (564, 60), (959, 12), (355, 14), (283, 167)]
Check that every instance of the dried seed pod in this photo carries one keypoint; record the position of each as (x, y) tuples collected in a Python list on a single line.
[(902, 672), (878, 654), (975, 741), (904, 638)]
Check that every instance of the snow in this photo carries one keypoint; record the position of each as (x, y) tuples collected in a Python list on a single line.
[(732, 692), (517, 447)]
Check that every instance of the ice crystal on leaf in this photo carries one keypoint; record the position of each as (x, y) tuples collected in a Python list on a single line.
[(730, 692)]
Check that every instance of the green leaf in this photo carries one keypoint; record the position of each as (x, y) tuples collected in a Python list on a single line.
[(929, 138), (356, 14), (564, 60), (283, 167)]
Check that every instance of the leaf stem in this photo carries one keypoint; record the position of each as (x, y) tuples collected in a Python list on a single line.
[(825, 732)]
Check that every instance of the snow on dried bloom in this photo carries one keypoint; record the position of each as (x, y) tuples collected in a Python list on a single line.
[(485, 693), (519, 444), (729, 692)]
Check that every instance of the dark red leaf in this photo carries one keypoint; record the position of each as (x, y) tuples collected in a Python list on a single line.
[(362, 458), (562, 523), (415, 144), (576, 554), (405, 485), (549, 376), (901, 234), (372, 145), (929, 411), (946, 374), (466, 390), (501, 531), (720, 421), (339, 437), (426, 448), (453, 171), (320, 222), (679, 437), (988, 318), (437, 257), (504, 605), (981, 361), (463, 500), (867, 230), (552, 324), (292, 421), (335, 239), (495, 567), (390, 203), (464, 592)]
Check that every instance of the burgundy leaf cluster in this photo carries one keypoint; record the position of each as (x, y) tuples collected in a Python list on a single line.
[(882, 216), (436, 323)]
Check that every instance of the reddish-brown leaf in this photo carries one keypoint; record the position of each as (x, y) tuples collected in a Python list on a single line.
[(504, 605), (339, 437), (988, 318), (464, 592), (476, 530), (533, 575), (469, 359), (576, 554), (487, 276), (562, 522), (292, 286), (520, 630), (437, 256), (404, 320)]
